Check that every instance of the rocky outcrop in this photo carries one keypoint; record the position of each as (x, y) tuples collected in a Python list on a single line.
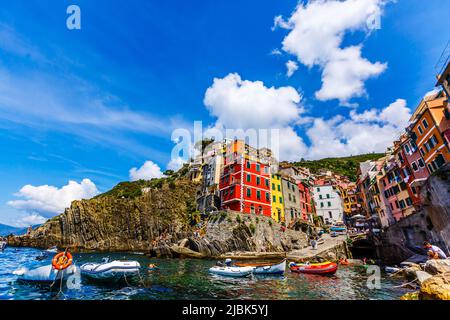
[(234, 234), (111, 223), (160, 223), (438, 266), (435, 288)]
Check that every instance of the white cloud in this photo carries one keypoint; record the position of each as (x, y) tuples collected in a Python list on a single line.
[(48, 200), (371, 131), (291, 67), (147, 171), (317, 30), (31, 220), (176, 163), (247, 104), (242, 105)]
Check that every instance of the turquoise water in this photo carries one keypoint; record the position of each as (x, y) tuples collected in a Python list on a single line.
[(189, 279)]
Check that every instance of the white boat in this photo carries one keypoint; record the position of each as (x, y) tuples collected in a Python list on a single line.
[(279, 268), (52, 250), (232, 271), (44, 274), (114, 270), (391, 269), (2, 245)]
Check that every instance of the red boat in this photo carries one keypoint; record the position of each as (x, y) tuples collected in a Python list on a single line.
[(324, 268)]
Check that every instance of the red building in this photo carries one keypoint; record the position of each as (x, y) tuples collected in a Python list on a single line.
[(245, 182), (305, 201)]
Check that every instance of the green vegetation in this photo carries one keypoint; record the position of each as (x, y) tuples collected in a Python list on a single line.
[(238, 219), (129, 190), (346, 166), (252, 228)]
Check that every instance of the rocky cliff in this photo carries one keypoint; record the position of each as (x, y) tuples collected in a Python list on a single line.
[(158, 219)]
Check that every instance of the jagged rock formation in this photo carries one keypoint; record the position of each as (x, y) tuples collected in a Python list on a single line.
[(159, 223), (110, 223)]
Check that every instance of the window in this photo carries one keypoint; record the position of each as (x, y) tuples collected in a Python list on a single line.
[(267, 183), (274, 199), (248, 165), (320, 196), (421, 163), (396, 204), (433, 141), (258, 167), (252, 208), (321, 204), (267, 196), (249, 178), (422, 152), (249, 192), (414, 166), (409, 201), (425, 123), (329, 204), (328, 196), (281, 199), (318, 189), (440, 161), (407, 150), (330, 214), (293, 199), (266, 170), (430, 168), (258, 194), (258, 181), (420, 129), (273, 186), (290, 198), (279, 188)]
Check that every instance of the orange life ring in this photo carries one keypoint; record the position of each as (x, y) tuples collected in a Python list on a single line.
[(62, 260)]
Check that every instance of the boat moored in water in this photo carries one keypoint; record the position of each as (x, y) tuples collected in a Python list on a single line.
[(324, 268), (110, 270), (231, 271), (44, 274), (265, 268)]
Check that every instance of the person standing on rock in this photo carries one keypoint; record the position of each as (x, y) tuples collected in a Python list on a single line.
[(434, 251)]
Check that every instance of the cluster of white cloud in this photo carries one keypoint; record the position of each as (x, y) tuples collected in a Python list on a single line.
[(317, 29), (147, 171), (42, 202), (244, 104)]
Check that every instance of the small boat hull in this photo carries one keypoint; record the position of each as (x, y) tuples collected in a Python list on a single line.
[(235, 272), (44, 274), (279, 268), (326, 268), (110, 271)]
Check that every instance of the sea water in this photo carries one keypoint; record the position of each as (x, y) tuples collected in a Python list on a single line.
[(189, 279)]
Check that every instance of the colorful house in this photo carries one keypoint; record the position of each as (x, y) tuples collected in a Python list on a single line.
[(306, 206), (291, 199), (277, 198), (429, 124), (245, 181)]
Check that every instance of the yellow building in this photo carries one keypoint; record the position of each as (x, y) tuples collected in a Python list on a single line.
[(349, 198), (277, 198)]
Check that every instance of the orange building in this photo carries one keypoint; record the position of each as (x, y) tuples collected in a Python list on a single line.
[(429, 124)]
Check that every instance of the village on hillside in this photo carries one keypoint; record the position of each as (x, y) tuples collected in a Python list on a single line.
[(388, 192)]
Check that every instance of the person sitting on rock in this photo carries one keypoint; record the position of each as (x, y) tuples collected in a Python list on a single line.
[(434, 252)]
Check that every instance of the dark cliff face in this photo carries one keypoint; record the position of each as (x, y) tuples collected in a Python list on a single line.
[(158, 221), (111, 223)]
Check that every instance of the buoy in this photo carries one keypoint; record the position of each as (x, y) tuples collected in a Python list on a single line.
[(62, 260)]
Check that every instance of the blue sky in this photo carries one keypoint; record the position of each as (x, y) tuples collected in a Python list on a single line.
[(96, 102)]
